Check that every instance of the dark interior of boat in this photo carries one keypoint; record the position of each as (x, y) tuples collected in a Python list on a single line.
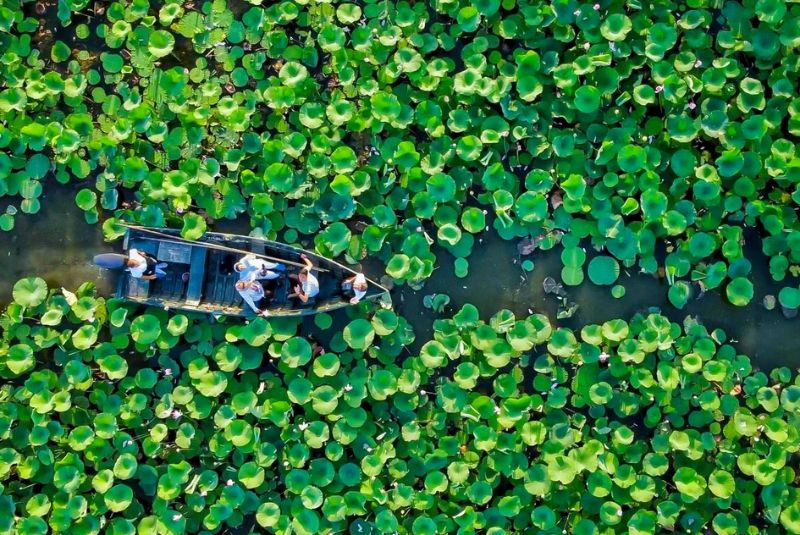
[(202, 278)]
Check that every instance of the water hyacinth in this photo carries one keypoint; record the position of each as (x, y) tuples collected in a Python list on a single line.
[(642, 423)]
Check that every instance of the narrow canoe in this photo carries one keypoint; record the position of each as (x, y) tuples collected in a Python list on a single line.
[(202, 279)]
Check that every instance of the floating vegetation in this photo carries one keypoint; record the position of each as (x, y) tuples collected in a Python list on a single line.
[(387, 128), (650, 132), (508, 425)]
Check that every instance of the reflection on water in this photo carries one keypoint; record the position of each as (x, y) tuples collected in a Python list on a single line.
[(58, 245)]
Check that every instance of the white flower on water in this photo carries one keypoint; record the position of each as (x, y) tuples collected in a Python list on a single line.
[(303, 426), (176, 517), (596, 7), (619, 512), (203, 493), (659, 88), (586, 46), (422, 392), (698, 63), (691, 105), (603, 357), (348, 387), (168, 372), (576, 12), (496, 409), (176, 414), (367, 448), (126, 443), (229, 483)]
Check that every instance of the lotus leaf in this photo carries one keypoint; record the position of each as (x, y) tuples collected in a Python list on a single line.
[(30, 292)]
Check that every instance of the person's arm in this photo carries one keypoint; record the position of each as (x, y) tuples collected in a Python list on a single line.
[(148, 277), (350, 280), (249, 300), (309, 263)]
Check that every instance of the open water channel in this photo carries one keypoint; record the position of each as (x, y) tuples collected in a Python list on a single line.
[(58, 245)]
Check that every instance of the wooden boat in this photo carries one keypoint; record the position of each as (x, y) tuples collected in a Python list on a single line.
[(201, 278)]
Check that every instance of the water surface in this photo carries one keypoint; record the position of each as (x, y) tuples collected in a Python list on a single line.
[(58, 245)]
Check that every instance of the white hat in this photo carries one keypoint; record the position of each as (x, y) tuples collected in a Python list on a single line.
[(360, 279)]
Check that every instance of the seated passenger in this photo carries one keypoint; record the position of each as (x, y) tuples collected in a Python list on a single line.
[(357, 284), (142, 265), (251, 268), (306, 284), (254, 295)]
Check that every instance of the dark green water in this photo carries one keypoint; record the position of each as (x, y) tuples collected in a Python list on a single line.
[(496, 280), (58, 245)]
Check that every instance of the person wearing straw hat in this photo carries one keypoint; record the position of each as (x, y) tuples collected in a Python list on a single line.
[(358, 285)]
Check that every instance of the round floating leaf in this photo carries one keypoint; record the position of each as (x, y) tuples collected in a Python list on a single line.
[(296, 352), (194, 226), (616, 27), (60, 52), (145, 329), (118, 498), (359, 334), (587, 99), (160, 43), (739, 291), (679, 294), (631, 158), (20, 359), (86, 199), (789, 297), (689, 483), (603, 270), (30, 292), (473, 220)]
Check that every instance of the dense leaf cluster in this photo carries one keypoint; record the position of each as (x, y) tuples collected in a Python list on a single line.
[(628, 123), (505, 426)]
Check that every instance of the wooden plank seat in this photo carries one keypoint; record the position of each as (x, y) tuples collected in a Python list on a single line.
[(197, 274), (138, 288)]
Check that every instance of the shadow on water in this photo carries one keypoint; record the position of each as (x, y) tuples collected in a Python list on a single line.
[(58, 245)]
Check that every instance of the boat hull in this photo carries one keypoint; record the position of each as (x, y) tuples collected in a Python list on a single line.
[(200, 276)]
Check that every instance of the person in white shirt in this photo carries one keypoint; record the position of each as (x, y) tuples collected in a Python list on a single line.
[(251, 268), (358, 284), (143, 266), (306, 283), (254, 295)]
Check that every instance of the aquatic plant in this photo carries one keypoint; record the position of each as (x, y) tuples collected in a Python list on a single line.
[(385, 128), (123, 421)]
